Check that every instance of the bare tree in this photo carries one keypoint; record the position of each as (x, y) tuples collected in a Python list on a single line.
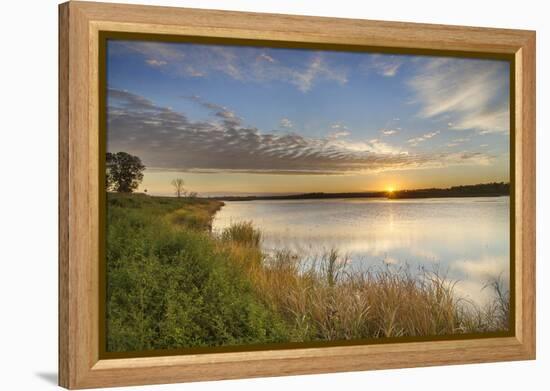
[(178, 187)]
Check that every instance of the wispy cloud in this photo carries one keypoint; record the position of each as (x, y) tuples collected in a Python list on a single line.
[(247, 64), (457, 141), (228, 117), (385, 65), (265, 57), (167, 140), (338, 126), (285, 123), (338, 130), (461, 140), (388, 132), (155, 63), (316, 68), (338, 134), (473, 94), (417, 140)]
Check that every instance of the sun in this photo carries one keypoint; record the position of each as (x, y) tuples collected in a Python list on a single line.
[(390, 189)]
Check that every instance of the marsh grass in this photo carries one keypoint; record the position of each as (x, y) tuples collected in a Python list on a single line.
[(242, 233), (171, 283), (322, 299)]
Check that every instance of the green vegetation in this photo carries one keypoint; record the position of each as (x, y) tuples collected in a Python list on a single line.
[(123, 172), (171, 283)]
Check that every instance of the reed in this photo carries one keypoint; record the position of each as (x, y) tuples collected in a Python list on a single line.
[(242, 233), (321, 299)]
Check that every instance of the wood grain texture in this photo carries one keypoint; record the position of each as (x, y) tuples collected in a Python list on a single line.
[(77, 293), (80, 24), (63, 309), (527, 187)]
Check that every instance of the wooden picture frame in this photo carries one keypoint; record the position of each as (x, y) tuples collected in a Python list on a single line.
[(80, 24)]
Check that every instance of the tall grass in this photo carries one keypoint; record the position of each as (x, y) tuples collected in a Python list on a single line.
[(242, 233), (320, 299)]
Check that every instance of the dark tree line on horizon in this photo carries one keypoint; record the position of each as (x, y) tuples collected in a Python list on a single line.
[(478, 190)]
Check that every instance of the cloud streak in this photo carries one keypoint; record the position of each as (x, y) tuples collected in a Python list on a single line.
[(472, 94), (385, 65), (169, 140), (247, 64), (285, 123), (417, 140)]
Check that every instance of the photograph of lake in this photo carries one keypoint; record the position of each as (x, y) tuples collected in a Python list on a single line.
[(265, 197)]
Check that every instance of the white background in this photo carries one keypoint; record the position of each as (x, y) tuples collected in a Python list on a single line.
[(28, 194)]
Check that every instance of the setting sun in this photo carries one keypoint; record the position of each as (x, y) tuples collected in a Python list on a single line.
[(390, 189)]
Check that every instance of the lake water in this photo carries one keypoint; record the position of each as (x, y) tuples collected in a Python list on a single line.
[(466, 238)]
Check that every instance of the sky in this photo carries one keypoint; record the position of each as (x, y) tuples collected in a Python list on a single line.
[(240, 120)]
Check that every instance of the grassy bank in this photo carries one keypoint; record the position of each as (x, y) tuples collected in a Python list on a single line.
[(168, 283), (172, 283)]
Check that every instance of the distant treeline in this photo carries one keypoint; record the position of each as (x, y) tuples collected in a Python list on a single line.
[(480, 190), (305, 196)]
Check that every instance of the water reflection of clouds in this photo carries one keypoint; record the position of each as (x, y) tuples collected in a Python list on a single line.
[(482, 268), (474, 276)]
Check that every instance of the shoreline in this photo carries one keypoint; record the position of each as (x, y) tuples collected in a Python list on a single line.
[(468, 191), (344, 197)]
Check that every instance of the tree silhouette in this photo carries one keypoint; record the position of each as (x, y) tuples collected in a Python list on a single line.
[(178, 187), (124, 172)]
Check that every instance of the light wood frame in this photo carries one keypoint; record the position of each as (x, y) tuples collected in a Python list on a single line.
[(79, 27)]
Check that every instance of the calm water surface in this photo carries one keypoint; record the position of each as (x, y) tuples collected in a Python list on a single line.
[(466, 238)]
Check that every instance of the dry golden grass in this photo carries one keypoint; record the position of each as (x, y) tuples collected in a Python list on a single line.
[(321, 300), (195, 215), (242, 233)]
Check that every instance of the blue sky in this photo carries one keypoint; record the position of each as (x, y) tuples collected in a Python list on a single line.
[(236, 119)]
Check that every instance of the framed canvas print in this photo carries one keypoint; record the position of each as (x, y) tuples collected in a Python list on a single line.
[(248, 195)]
